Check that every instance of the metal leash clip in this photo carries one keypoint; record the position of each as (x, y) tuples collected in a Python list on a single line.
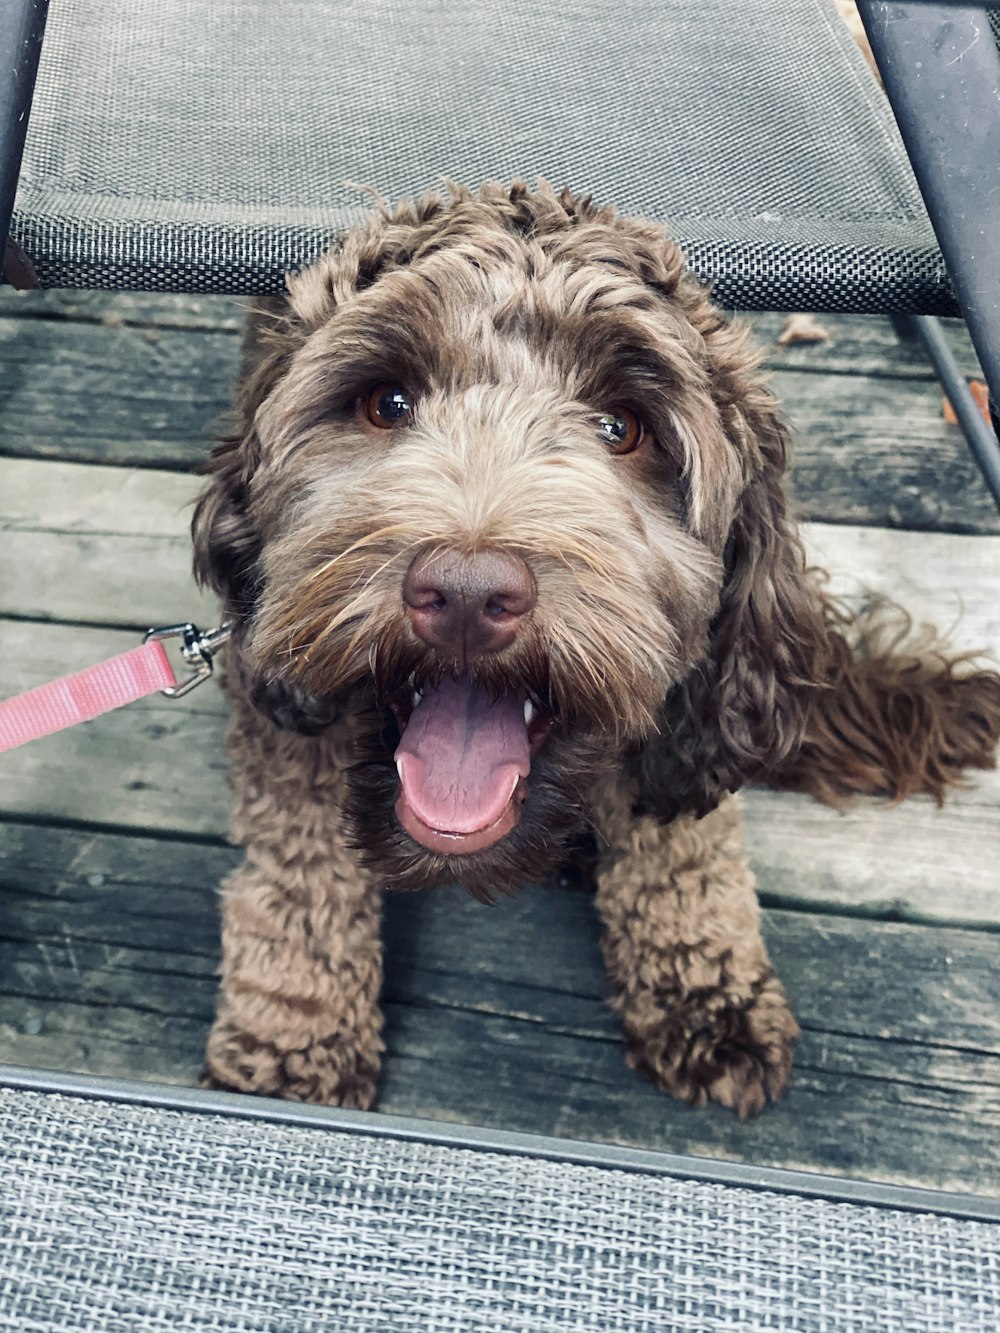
[(198, 651)]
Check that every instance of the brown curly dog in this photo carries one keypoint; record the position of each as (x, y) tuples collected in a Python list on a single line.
[(503, 537)]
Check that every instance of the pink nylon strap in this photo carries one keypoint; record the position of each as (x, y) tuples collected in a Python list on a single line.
[(86, 694)]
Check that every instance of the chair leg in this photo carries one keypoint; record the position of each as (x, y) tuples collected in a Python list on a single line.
[(982, 439), (941, 69), (22, 26), (904, 328)]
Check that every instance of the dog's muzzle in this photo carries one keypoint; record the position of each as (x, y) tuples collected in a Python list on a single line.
[(465, 754)]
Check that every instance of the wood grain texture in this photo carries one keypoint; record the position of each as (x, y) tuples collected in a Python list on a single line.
[(174, 310), (119, 538), (877, 451), (150, 397), (149, 385), (908, 862), (858, 344), (943, 580), (498, 1015), (159, 765), (107, 546)]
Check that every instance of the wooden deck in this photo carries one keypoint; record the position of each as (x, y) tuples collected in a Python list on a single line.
[(883, 923)]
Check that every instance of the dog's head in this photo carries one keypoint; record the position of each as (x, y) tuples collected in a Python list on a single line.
[(503, 467)]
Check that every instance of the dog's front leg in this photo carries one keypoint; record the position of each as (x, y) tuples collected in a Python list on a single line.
[(705, 1017), (298, 1011)]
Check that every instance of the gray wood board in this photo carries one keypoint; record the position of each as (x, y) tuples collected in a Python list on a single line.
[(857, 345), (872, 446), (861, 345), (108, 546), (107, 539), (145, 397), (498, 1016), (159, 764), (174, 310)]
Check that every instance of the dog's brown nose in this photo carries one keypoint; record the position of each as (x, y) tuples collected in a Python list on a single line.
[(468, 605)]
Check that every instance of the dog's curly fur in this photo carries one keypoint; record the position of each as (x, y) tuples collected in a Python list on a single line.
[(677, 646)]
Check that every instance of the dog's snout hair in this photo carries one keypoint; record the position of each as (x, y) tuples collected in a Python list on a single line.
[(623, 587)]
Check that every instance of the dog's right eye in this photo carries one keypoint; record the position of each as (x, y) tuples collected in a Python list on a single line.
[(621, 430), (389, 405)]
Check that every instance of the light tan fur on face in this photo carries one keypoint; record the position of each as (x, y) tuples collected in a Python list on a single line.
[(624, 591), (677, 637)]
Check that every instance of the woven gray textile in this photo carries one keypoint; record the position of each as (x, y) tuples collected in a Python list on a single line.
[(210, 147), (124, 1218)]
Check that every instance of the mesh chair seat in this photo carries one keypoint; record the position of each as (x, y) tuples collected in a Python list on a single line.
[(185, 146), (118, 1217)]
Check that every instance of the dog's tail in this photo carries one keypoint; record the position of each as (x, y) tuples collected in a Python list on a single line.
[(898, 714)]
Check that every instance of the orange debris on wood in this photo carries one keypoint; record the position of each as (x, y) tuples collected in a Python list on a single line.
[(802, 329), (979, 392)]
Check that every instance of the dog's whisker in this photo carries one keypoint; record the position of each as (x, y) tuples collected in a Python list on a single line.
[(358, 546)]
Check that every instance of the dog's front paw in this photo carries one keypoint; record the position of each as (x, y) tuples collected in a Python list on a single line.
[(333, 1071), (714, 1046)]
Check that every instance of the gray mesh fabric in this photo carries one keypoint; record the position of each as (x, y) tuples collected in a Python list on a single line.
[(118, 1218), (211, 147)]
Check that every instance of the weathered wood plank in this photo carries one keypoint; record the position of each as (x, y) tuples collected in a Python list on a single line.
[(499, 1016), (66, 497), (951, 582), (159, 764), (174, 310), (909, 862), (99, 544), (129, 580), (858, 344), (877, 451), (871, 447), (119, 538), (95, 393)]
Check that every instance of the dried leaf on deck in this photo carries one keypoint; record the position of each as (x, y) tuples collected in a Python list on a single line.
[(980, 394), (801, 328)]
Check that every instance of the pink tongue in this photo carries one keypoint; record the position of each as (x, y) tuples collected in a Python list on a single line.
[(461, 756)]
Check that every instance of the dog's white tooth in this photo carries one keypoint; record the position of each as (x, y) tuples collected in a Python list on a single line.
[(399, 769), (529, 712), (417, 696)]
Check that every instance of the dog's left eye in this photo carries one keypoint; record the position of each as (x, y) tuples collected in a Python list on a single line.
[(620, 429), (389, 405)]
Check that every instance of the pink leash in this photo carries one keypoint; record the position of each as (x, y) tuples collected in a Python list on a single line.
[(111, 684)]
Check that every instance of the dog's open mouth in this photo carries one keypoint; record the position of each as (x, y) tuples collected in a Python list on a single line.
[(463, 762)]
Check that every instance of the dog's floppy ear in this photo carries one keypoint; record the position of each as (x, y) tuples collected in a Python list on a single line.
[(797, 692), (226, 543), (743, 710)]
